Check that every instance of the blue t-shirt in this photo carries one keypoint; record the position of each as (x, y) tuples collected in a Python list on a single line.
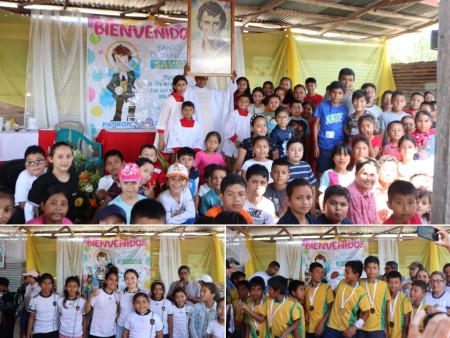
[(332, 122), (302, 170), (281, 138), (126, 207), (210, 200), (193, 181)]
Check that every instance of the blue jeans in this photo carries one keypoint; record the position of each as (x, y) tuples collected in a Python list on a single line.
[(371, 334), (332, 333)]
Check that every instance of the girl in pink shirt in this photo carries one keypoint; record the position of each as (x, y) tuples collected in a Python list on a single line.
[(55, 205), (210, 155)]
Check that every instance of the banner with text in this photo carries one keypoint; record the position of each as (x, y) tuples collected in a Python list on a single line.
[(333, 254), (124, 253), (130, 67)]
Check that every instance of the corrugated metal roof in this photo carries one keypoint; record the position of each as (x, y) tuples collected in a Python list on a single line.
[(334, 16)]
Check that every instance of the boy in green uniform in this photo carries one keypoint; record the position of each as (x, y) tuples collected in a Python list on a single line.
[(399, 307)]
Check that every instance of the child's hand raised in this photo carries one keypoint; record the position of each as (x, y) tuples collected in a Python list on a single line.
[(242, 306)]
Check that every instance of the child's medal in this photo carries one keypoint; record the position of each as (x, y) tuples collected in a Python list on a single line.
[(372, 298), (272, 314), (343, 302), (312, 296), (255, 323), (392, 309)]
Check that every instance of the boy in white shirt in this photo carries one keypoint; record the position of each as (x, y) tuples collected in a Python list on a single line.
[(177, 199)]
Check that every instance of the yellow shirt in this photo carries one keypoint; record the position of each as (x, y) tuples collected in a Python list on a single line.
[(280, 315), (258, 330), (239, 315), (354, 298), (377, 320), (414, 312), (233, 295), (402, 308), (323, 297), (301, 326)]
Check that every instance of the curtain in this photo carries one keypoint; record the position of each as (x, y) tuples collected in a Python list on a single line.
[(56, 80), (169, 259), (237, 248), (69, 262), (14, 244), (41, 255), (13, 57), (289, 255), (387, 251)]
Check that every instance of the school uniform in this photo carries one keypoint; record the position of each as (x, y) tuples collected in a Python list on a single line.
[(145, 325), (71, 313), (239, 314), (401, 307), (347, 301), (181, 320), (46, 319), (442, 303), (215, 329), (30, 292), (257, 329), (103, 322), (316, 303), (375, 325), (163, 308), (126, 307), (281, 315)]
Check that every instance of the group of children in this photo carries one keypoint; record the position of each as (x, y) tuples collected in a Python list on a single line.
[(275, 159), (132, 312), (266, 305)]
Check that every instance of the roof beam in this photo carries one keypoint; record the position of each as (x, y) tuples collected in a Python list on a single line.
[(153, 8), (413, 29), (36, 2), (361, 12), (379, 12), (270, 6)]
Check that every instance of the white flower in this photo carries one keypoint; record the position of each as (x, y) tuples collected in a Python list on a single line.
[(89, 187)]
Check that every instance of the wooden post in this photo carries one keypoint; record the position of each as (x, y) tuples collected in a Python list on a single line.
[(441, 186)]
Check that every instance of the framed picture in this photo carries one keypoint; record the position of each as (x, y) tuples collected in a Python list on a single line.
[(2, 254), (211, 37)]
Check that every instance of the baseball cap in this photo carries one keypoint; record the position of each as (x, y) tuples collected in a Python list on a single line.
[(415, 265), (230, 261), (177, 169), (204, 278), (130, 172), (32, 273), (112, 209)]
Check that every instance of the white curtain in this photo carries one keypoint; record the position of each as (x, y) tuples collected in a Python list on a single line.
[(387, 251), (14, 245), (56, 83), (69, 260), (289, 255), (169, 259), (237, 248)]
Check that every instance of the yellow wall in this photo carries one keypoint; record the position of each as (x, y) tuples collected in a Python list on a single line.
[(14, 30)]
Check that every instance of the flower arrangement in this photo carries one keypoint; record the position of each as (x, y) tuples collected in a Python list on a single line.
[(87, 201)]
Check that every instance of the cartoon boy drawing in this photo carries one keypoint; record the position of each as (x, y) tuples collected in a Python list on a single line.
[(122, 82)]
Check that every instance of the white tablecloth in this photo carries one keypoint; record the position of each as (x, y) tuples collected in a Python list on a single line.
[(13, 144)]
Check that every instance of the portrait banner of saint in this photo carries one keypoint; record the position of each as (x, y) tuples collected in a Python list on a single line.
[(211, 37)]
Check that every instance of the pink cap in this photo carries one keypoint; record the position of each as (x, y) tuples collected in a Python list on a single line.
[(130, 172)]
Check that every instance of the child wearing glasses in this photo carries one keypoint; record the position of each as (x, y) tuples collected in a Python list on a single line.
[(282, 132), (35, 166)]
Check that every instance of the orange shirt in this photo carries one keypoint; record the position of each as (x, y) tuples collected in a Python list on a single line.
[(213, 212)]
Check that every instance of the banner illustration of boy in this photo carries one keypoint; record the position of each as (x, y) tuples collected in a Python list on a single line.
[(123, 82)]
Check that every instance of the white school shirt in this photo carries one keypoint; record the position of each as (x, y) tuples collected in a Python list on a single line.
[(442, 303), (140, 325), (163, 308), (105, 183), (103, 322), (30, 292), (181, 320), (71, 316), (178, 213), (214, 328), (268, 164), (23, 186), (46, 315), (126, 304)]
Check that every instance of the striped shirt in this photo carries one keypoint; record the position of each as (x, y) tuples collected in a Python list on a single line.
[(302, 170)]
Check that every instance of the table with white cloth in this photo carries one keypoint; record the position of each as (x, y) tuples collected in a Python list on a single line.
[(14, 143)]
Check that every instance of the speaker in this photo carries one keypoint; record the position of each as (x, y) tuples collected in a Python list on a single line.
[(434, 40)]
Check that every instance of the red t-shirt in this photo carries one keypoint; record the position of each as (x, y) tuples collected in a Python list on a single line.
[(413, 220), (316, 98)]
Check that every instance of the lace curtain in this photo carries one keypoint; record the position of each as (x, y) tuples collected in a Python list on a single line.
[(169, 259), (69, 260), (387, 251), (14, 245), (56, 69), (289, 255), (236, 248)]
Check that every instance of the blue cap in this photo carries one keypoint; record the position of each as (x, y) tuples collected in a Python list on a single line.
[(112, 209)]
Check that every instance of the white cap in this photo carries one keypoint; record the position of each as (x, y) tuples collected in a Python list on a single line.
[(205, 278)]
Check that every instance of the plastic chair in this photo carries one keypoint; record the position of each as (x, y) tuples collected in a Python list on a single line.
[(92, 150), (69, 124)]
